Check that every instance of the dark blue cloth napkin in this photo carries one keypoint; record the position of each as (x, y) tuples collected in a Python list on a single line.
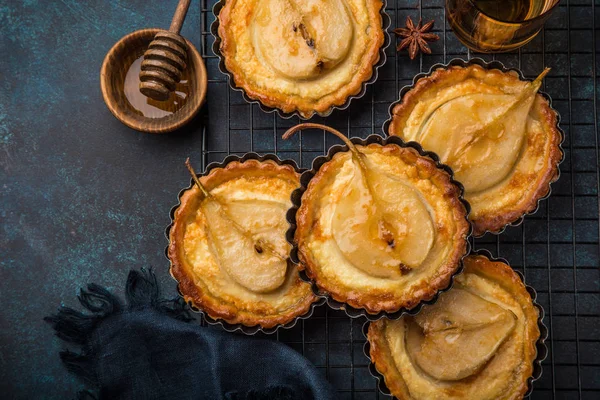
[(145, 349)]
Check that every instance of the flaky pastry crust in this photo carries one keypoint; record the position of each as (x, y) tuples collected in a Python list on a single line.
[(243, 32), (203, 282), (370, 293), (502, 279), (518, 194)]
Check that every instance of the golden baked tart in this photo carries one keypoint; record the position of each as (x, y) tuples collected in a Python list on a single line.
[(228, 249), (380, 226), (478, 341), (301, 56), (499, 136)]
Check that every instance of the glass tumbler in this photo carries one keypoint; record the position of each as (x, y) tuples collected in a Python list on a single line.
[(495, 26)]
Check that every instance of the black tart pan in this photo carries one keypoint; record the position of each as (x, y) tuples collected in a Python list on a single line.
[(486, 65), (248, 330), (214, 29), (542, 349), (306, 177)]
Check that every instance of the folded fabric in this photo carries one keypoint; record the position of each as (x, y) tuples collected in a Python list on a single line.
[(145, 349)]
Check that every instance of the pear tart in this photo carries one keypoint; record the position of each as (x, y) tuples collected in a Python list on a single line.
[(301, 56), (478, 341), (381, 227), (228, 249), (499, 136)]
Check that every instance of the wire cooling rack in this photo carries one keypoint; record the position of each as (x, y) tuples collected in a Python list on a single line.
[(557, 248)]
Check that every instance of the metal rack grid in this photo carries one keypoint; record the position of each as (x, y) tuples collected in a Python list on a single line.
[(557, 249)]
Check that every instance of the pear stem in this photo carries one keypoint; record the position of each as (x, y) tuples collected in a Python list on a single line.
[(353, 150), (540, 77), (188, 164), (311, 125), (531, 89), (384, 234), (258, 244)]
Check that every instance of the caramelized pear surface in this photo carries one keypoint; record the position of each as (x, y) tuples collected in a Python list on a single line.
[(304, 56), (380, 226), (297, 38), (228, 249), (479, 135), (249, 257), (478, 341), (383, 235), (457, 336), (255, 258), (498, 134)]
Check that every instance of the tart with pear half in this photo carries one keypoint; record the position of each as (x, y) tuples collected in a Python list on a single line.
[(478, 341), (499, 136), (380, 227), (228, 249), (301, 56)]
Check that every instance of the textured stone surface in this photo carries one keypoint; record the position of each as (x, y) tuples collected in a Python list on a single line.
[(82, 197)]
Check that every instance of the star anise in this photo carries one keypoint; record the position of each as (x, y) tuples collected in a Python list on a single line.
[(416, 37)]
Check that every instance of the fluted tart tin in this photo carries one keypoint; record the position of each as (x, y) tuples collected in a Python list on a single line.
[(492, 65), (230, 327), (297, 195), (541, 348), (386, 21)]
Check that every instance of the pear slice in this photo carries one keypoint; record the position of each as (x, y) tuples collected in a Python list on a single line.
[(380, 239), (297, 40), (480, 135), (455, 338), (248, 257), (264, 218)]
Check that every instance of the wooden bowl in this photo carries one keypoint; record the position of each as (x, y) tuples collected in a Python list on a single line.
[(112, 79)]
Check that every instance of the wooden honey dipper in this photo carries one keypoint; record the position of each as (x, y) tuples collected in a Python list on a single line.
[(165, 59)]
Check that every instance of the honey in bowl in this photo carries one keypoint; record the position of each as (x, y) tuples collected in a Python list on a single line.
[(120, 97), (148, 107)]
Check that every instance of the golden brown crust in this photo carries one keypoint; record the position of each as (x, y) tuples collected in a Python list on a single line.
[(498, 272), (181, 269), (290, 103), (509, 280), (381, 356), (376, 301), (529, 203), (533, 190)]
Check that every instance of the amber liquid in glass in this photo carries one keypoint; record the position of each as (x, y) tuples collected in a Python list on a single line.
[(149, 107), (497, 25), (509, 10)]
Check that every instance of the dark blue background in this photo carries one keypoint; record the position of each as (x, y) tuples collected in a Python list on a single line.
[(85, 199), (82, 197)]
